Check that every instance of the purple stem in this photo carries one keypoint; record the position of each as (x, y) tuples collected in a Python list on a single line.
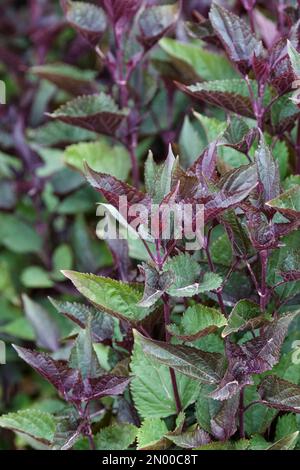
[(241, 415), (263, 289)]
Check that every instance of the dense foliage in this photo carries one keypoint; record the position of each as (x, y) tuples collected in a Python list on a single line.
[(168, 347)]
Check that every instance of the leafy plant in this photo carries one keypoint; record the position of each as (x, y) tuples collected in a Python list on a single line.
[(178, 346)]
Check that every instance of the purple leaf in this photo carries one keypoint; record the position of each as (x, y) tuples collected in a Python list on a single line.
[(280, 394), (112, 188), (236, 36), (97, 113), (224, 424), (88, 19), (253, 357), (155, 22), (57, 373)]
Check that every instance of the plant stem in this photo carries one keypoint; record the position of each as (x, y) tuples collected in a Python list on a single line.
[(263, 289), (168, 336), (131, 138), (241, 415)]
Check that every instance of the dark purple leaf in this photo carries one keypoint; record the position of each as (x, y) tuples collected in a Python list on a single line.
[(88, 19), (280, 394), (155, 22), (112, 188), (97, 113), (236, 36), (224, 424), (102, 325)]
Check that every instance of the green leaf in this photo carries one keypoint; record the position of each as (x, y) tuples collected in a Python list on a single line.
[(19, 328), (286, 425), (294, 58), (158, 177), (62, 259), (35, 277), (287, 203), (87, 18), (152, 389), (57, 132), (151, 433), (116, 437), (202, 366), (114, 297), (67, 77), (242, 444), (206, 407), (101, 156), (280, 394), (7, 164), (155, 22), (185, 272), (97, 113), (286, 443), (83, 356), (245, 315), (283, 114), (206, 64), (34, 423), (18, 236), (199, 321), (190, 143), (231, 95)]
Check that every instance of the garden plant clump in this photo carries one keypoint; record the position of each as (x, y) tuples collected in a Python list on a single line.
[(149, 225)]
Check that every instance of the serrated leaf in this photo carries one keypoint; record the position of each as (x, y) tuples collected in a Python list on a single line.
[(100, 156), (150, 435), (206, 65), (155, 22), (114, 297), (67, 77), (97, 113), (152, 389), (102, 325), (199, 321), (118, 437), (112, 188), (287, 203), (245, 315), (88, 19), (268, 172), (255, 356), (69, 381), (224, 423), (285, 425), (286, 443), (294, 58), (83, 356), (34, 423), (280, 394), (235, 35), (199, 365), (231, 95), (191, 439)]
